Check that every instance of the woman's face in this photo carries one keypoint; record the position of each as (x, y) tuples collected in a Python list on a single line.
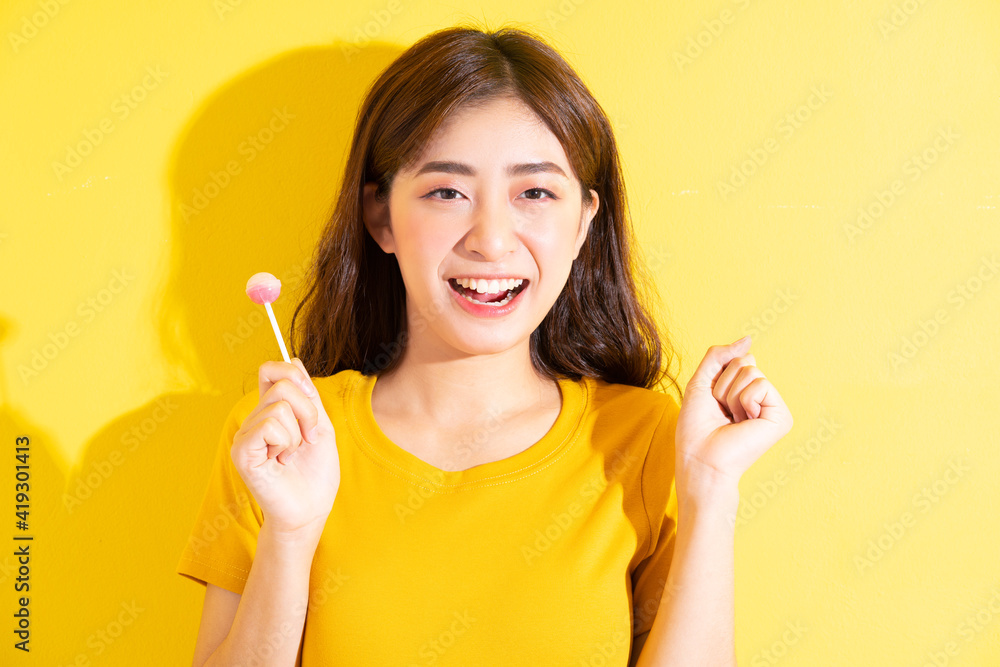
[(492, 196)]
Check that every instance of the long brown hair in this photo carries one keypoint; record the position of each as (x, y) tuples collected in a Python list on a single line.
[(600, 325)]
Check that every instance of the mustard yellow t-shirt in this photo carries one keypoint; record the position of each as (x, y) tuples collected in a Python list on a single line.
[(557, 555)]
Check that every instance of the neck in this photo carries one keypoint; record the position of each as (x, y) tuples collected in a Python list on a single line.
[(456, 389)]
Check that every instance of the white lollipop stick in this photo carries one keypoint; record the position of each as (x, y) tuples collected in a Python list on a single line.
[(277, 332), (263, 288)]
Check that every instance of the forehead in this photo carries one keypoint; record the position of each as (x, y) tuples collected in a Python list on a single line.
[(496, 132)]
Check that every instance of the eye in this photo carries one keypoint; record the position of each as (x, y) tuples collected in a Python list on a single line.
[(540, 190), (448, 190)]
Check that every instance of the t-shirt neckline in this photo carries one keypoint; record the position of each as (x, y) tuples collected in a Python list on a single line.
[(401, 463)]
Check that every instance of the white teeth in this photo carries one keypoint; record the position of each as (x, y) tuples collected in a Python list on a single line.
[(482, 285)]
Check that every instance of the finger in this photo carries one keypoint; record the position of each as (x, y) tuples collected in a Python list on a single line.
[(746, 375), (282, 411), (749, 398), (760, 396), (311, 392), (721, 387), (264, 439), (272, 371), (304, 409), (712, 364)]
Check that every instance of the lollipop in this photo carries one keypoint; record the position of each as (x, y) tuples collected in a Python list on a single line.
[(263, 288)]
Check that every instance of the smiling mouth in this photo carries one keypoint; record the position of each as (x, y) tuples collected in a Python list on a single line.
[(493, 299)]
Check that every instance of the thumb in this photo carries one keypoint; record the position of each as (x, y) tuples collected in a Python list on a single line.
[(310, 391), (715, 360)]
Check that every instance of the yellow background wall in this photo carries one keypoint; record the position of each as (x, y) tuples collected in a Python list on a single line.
[(823, 176)]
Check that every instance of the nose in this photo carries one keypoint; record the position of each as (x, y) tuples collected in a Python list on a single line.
[(492, 235)]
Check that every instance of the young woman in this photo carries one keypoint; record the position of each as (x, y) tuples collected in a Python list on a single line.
[(468, 461)]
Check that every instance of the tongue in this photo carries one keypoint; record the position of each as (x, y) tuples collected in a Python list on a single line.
[(485, 297)]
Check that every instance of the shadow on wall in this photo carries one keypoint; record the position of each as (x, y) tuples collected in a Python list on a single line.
[(252, 179)]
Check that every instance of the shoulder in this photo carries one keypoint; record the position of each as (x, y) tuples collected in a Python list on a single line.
[(339, 384), (629, 403), (634, 422), (635, 426), (638, 422)]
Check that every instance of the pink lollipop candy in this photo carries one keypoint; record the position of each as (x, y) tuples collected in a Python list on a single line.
[(263, 289)]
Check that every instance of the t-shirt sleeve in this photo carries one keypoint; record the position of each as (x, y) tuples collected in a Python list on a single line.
[(223, 539), (659, 493)]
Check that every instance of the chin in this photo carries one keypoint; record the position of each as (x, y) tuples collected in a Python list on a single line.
[(487, 345)]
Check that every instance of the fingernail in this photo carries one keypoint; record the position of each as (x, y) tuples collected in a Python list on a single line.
[(740, 341)]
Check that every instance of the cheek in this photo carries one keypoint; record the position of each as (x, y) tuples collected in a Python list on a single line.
[(553, 256), (554, 245), (423, 242)]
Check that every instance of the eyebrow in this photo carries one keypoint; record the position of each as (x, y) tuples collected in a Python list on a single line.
[(524, 169)]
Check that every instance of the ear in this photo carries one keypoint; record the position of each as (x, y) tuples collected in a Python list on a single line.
[(376, 218), (585, 219)]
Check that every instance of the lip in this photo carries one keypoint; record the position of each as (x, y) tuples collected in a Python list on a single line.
[(487, 311)]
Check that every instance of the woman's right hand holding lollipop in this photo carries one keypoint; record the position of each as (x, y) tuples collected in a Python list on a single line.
[(286, 451)]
